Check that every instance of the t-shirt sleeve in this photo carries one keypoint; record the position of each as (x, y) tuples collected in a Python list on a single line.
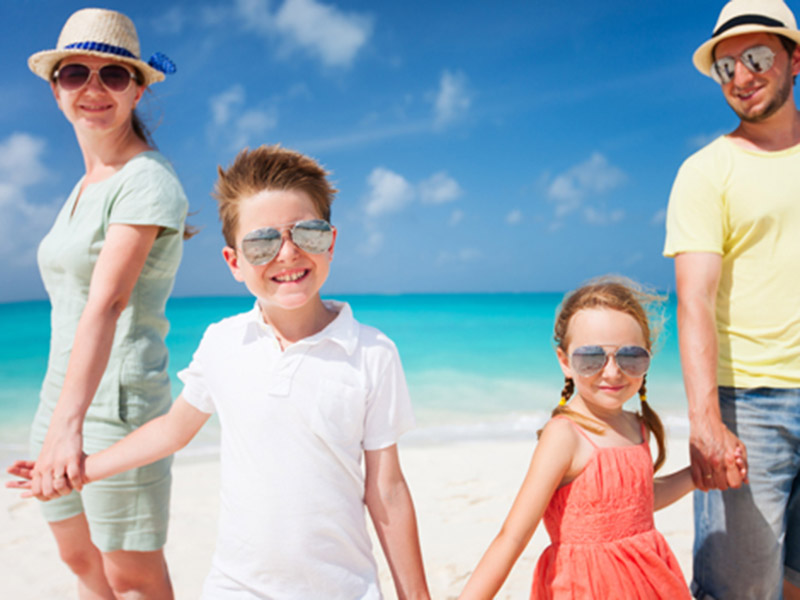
[(150, 194), (195, 388), (389, 413), (695, 215)]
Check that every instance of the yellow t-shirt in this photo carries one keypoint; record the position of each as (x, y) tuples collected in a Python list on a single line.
[(745, 205)]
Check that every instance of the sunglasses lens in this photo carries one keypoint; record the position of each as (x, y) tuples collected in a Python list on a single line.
[(261, 246), (71, 77), (588, 360), (723, 69), (633, 360), (115, 77), (758, 59), (314, 236)]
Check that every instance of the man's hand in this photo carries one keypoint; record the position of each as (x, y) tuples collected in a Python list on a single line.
[(719, 458)]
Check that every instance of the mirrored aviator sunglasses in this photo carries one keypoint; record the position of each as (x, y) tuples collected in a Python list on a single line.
[(757, 59), (262, 245), (590, 360), (74, 76)]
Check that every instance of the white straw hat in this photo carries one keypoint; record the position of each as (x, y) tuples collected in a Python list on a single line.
[(747, 16), (100, 32)]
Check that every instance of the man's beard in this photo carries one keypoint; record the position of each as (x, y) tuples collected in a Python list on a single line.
[(780, 98)]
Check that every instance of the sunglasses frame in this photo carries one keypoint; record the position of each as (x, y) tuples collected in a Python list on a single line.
[(606, 356), (253, 236), (134, 77), (720, 74)]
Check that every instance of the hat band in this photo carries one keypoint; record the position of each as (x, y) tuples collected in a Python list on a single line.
[(101, 47), (747, 20)]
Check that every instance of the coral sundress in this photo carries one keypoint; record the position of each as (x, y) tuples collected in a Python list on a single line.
[(604, 542)]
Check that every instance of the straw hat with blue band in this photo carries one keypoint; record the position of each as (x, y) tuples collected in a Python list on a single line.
[(100, 32), (747, 16)]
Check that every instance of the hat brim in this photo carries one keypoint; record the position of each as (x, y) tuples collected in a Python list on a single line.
[(703, 56), (44, 63)]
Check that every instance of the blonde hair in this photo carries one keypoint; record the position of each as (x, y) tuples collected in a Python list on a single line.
[(626, 296), (269, 168)]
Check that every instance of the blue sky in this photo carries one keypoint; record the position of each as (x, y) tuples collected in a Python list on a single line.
[(477, 146)]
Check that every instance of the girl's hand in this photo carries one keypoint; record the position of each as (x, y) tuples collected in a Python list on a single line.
[(741, 464)]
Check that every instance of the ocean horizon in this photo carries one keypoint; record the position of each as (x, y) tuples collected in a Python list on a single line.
[(477, 365)]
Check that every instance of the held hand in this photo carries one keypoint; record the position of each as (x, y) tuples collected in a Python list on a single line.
[(23, 469), (59, 467), (719, 458)]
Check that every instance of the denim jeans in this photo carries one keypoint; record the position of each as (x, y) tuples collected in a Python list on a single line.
[(747, 540)]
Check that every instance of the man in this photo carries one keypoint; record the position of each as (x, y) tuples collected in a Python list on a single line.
[(733, 226)]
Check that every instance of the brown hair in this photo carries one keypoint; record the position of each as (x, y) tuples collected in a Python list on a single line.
[(269, 168), (621, 294)]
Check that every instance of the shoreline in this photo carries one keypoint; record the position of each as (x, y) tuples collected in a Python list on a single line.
[(462, 490)]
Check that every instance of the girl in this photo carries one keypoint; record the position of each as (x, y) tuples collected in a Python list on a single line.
[(108, 265), (591, 475)]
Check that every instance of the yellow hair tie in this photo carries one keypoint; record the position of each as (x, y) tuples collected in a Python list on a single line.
[(643, 397), (563, 401)]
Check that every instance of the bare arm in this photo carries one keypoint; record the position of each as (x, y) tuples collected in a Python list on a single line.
[(152, 441), (549, 465), (671, 488), (392, 511), (118, 267), (712, 446)]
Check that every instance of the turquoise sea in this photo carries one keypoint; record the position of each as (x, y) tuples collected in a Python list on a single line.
[(478, 365)]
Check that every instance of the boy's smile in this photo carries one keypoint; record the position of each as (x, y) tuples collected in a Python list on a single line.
[(291, 281)]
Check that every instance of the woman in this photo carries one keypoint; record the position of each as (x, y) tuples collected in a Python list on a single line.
[(108, 265)]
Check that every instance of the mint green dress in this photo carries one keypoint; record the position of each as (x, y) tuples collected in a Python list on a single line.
[(128, 511)]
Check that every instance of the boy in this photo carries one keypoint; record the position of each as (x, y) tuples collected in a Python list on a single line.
[(302, 390)]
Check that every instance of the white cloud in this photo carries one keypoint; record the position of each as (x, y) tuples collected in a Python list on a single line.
[(596, 216), (171, 21), (372, 243), (659, 218), (389, 192), (456, 217), (591, 177), (322, 30), (20, 160), (703, 139), (439, 188), (452, 100), (514, 217), (234, 122), (24, 222), (223, 105), (464, 255), (255, 14)]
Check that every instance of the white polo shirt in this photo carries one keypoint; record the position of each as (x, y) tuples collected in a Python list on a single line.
[(294, 427)]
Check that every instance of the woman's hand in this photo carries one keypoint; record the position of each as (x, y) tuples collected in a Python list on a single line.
[(24, 469), (59, 468)]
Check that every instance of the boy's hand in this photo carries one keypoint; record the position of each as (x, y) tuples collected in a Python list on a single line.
[(24, 469)]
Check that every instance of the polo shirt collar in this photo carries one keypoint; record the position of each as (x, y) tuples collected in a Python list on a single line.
[(343, 330)]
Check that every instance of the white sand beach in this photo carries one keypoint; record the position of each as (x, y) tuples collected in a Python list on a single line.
[(462, 492)]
